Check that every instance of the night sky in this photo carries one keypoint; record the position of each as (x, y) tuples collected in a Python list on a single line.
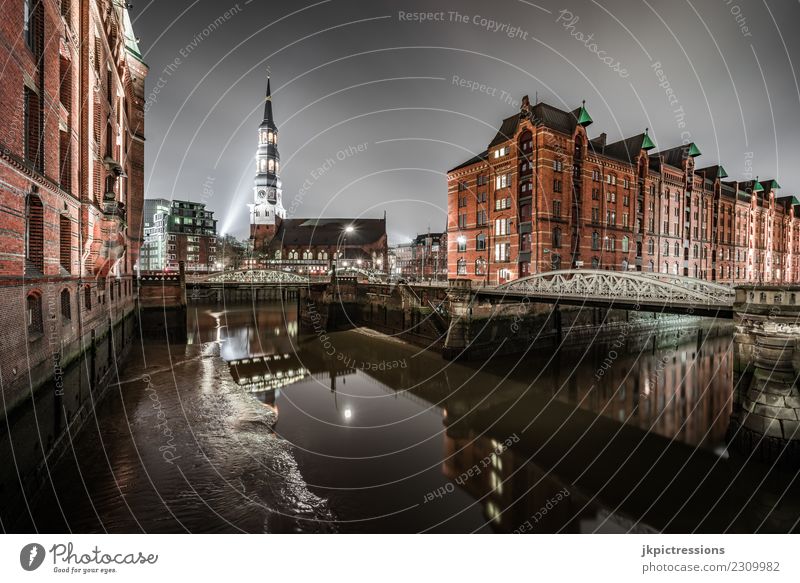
[(374, 106)]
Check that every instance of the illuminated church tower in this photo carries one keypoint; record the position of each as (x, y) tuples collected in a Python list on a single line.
[(266, 210)]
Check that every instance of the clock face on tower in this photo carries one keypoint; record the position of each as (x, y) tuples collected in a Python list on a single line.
[(262, 195)]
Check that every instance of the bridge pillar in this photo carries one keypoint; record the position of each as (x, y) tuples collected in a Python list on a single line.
[(459, 297), (766, 416)]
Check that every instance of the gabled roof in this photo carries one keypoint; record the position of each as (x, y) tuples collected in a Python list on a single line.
[(712, 172), (479, 158), (676, 156), (557, 119), (751, 186), (626, 150), (787, 201), (506, 131), (770, 184)]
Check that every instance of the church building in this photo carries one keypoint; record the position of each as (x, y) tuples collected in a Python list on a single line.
[(305, 245)]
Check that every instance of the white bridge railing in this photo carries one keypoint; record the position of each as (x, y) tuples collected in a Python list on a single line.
[(592, 284), (250, 276)]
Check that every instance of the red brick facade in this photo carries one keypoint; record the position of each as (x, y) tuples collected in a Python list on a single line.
[(71, 181), (545, 196)]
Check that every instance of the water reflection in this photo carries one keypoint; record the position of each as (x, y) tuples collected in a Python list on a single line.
[(624, 445)]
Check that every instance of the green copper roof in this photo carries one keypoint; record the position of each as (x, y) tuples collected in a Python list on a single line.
[(757, 187), (584, 118), (773, 184), (647, 143), (721, 172), (693, 150), (131, 42)]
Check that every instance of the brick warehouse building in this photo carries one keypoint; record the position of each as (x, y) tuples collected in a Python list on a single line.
[(545, 196), (71, 191)]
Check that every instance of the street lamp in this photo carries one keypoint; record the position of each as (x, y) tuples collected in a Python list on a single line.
[(346, 231)]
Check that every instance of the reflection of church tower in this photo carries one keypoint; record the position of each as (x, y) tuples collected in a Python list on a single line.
[(266, 210)]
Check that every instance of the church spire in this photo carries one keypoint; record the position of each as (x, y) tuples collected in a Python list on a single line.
[(268, 121)]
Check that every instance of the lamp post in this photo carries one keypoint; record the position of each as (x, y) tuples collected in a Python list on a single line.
[(348, 229)]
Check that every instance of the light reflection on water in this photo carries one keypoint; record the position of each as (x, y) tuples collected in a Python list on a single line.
[(384, 446)]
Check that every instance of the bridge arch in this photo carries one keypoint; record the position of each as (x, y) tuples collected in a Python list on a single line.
[(596, 284)]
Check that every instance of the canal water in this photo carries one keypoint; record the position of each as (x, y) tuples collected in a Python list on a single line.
[(256, 427)]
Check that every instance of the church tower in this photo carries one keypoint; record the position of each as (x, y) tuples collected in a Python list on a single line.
[(266, 210)]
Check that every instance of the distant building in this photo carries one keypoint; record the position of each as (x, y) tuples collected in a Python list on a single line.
[(404, 260), (313, 245), (430, 257), (175, 231), (423, 259)]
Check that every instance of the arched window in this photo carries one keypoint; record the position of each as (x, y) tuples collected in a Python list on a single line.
[(87, 297), (555, 262), (665, 269), (595, 240), (278, 254), (480, 266), (624, 244), (34, 310), (624, 265), (677, 249), (696, 253), (461, 267), (308, 254), (34, 232), (651, 247), (66, 308), (293, 254), (480, 242), (595, 262), (651, 266), (526, 143), (666, 249), (675, 271)]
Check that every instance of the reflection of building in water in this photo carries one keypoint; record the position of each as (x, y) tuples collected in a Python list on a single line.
[(502, 482), (682, 393), (519, 496), (267, 372)]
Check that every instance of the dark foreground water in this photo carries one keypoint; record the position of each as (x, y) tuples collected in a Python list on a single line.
[(253, 427)]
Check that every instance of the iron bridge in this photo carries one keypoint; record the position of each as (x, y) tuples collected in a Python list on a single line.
[(624, 290)]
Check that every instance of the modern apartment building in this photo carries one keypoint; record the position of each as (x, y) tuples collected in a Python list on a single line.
[(175, 231)]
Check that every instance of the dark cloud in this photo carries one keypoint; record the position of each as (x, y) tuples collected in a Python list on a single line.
[(346, 74)]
